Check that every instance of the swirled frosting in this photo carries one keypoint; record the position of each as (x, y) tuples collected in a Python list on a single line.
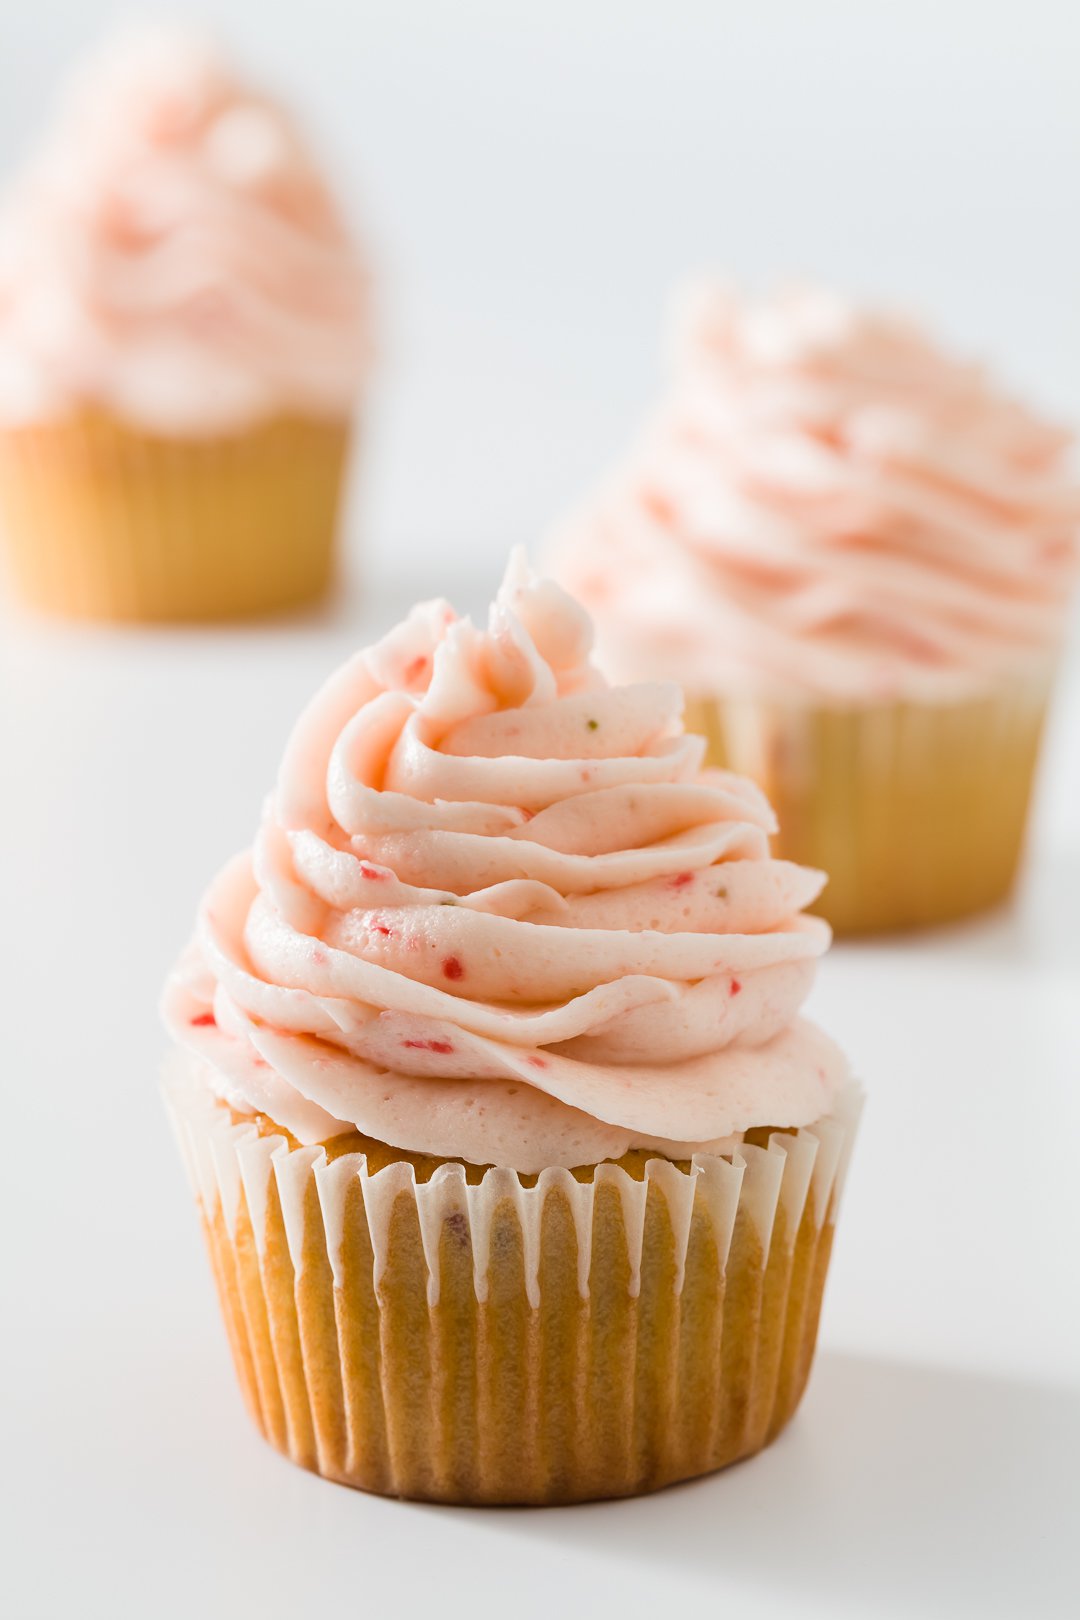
[(173, 256), (496, 912), (824, 504)]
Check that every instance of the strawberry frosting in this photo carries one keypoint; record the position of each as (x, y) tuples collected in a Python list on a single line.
[(825, 504), (495, 911), (173, 256)]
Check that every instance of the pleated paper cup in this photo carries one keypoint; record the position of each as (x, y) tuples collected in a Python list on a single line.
[(101, 521), (422, 1329), (917, 811)]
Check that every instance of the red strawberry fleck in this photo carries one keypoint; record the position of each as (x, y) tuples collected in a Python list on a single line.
[(381, 928), (452, 968), (537, 1062), (318, 957), (204, 1021), (735, 987), (443, 1047), (680, 880), (370, 873)]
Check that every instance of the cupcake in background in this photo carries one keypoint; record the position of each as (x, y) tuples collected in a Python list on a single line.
[(184, 334), (856, 555)]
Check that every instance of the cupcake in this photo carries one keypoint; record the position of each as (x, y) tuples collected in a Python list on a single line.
[(856, 557), (517, 1165), (183, 337)]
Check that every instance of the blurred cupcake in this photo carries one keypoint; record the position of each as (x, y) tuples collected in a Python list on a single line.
[(856, 556), (183, 338), (517, 1166)]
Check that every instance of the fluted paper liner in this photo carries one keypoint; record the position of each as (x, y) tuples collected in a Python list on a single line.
[(102, 521), (515, 1339), (917, 811)]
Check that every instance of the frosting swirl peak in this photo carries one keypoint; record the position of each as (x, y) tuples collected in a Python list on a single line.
[(495, 911)]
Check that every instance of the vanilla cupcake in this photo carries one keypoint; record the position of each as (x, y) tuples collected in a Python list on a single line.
[(184, 334), (517, 1165), (856, 556)]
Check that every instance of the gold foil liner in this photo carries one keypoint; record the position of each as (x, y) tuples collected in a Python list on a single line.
[(917, 811), (493, 1338), (101, 521)]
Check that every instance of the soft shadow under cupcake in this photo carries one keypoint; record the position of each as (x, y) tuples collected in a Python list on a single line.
[(902, 1489)]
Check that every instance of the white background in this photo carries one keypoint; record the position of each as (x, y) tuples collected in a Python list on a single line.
[(534, 174), (532, 178)]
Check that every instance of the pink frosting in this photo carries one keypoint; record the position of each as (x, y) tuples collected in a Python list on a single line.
[(174, 257), (825, 504), (496, 912)]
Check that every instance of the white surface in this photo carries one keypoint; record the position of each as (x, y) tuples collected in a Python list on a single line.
[(533, 175), (932, 1470)]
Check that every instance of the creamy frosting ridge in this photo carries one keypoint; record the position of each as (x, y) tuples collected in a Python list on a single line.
[(173, 255), (495, 911), (825, 503)]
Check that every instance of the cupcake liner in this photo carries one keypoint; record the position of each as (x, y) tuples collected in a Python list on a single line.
[(484, 1337), (101, 521), (916, 811)]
